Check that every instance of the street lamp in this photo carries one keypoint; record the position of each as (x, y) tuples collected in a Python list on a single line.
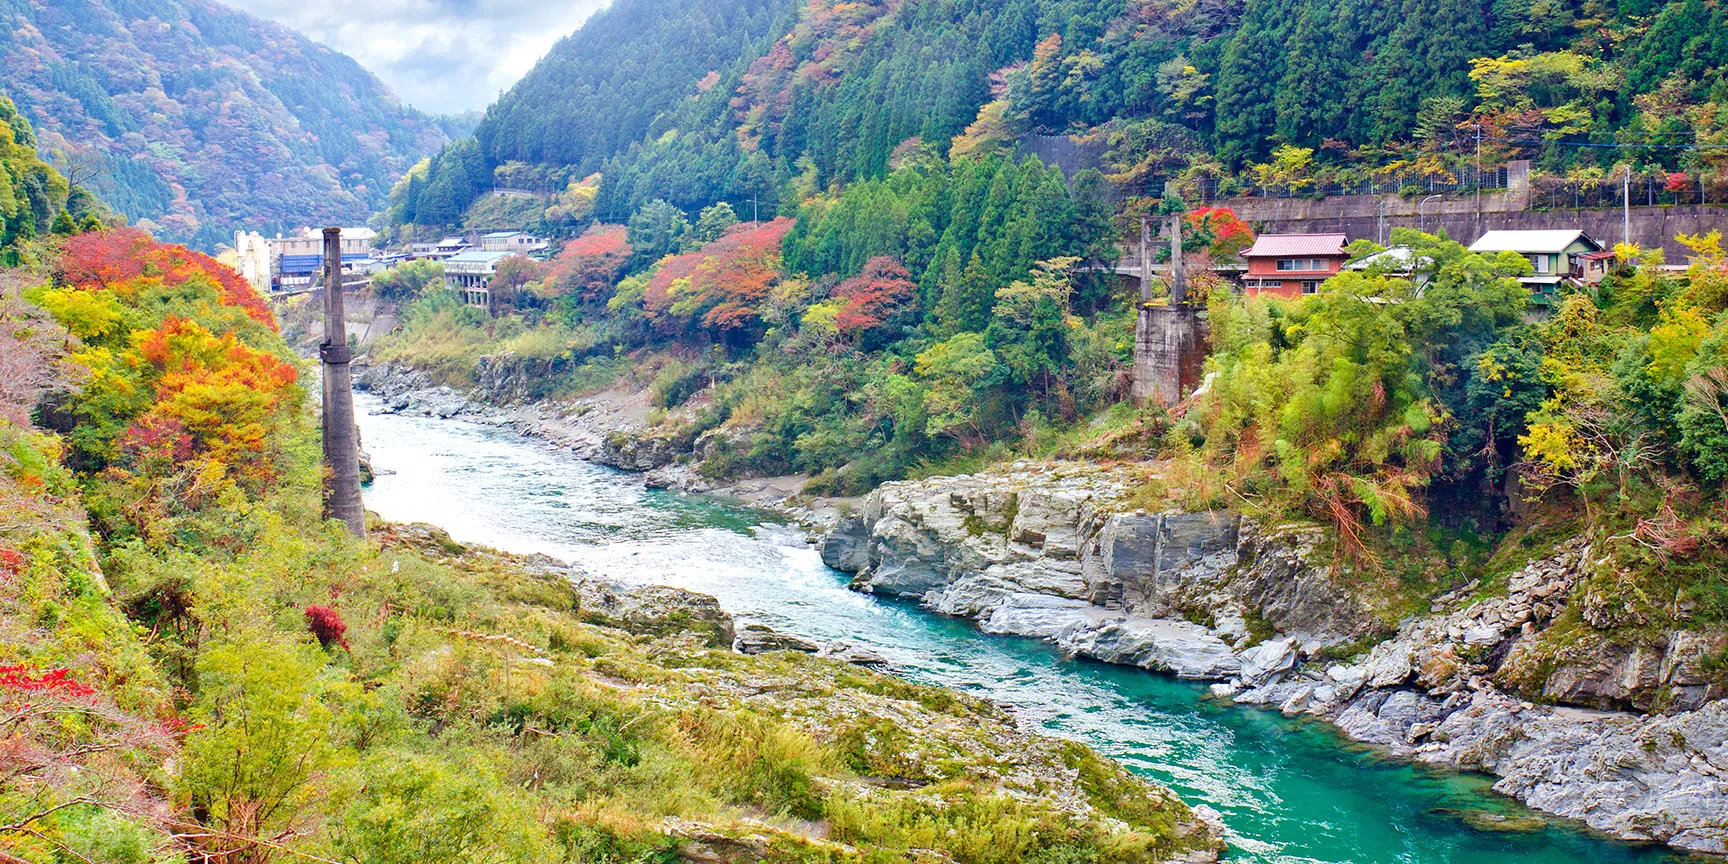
[(1421, 221)]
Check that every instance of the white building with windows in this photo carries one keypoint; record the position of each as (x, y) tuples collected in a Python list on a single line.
[(519, 242), (470, 274)]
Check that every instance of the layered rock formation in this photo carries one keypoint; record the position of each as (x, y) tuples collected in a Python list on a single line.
[(1048, 553), (1053, 552)]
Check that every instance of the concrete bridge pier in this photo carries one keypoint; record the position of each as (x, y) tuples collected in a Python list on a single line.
[(1170, 337), (1169, 353)]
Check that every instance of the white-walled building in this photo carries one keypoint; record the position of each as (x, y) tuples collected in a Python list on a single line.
[(519, 242), (277, 263), (470, 273)]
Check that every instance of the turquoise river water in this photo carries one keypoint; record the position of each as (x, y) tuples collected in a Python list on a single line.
[(1291, 791)]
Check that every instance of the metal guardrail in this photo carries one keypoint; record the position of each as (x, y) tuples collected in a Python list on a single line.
[(1213, 189)]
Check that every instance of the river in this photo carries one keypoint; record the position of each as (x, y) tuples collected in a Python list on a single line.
[(1291, 791)]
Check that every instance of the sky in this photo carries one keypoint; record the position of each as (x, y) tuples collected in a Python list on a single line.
[(442, 56)]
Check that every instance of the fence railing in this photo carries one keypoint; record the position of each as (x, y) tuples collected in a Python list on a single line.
[(1466, 179), (1655, 189), (1649, 189)]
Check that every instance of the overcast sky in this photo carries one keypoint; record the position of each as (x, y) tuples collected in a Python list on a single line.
[(444, 56)]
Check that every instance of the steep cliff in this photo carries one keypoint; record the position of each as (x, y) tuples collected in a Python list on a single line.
[(1624, 731)]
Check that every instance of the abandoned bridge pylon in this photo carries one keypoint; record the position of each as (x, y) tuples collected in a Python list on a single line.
[(1170, 334)]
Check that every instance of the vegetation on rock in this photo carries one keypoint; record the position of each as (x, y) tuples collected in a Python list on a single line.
[(216, 671)]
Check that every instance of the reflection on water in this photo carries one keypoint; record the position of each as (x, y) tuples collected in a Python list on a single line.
[(1289, 790)]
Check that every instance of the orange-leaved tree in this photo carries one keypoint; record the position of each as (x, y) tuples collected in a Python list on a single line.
[(128, 261), (587, 266), (878, 302), (721, 287), (1224, 233)]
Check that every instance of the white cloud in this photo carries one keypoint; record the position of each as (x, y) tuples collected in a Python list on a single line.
[(438, 55)]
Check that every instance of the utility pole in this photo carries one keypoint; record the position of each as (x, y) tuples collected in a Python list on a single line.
[(755, 211), (1478, 179), (1380, 221), (341, 444), (1626, 206)]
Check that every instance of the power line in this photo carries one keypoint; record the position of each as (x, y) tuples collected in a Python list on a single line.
[(1616, 146)]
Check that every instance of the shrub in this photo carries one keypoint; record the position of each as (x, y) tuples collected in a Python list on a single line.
[(327, 626)]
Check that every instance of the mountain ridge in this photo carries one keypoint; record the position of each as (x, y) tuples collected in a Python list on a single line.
[(195, 119)]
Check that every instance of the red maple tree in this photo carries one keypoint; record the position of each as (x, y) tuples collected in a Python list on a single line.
[(123, 260), (327, 626), (588, 266), (879, 300), (1225, 233), (721, 286)]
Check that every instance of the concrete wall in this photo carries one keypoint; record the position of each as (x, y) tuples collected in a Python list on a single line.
[(1169, 353), (1359, 216)]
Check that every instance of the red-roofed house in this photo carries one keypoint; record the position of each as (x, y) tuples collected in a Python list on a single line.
[(1596, 265), (1291, 265)]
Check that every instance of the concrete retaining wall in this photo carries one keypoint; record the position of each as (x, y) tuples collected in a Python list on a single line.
[(1361, 216)]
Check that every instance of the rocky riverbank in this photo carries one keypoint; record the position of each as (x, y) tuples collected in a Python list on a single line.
[(656, 660), (1517, 677)]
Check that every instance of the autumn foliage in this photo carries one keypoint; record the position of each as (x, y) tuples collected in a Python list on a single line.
[(720, 287), (1223, 232), (126, 260), (327, 625), (589, 265), (182, 395), (214, 397), (877, 301), (19, 678)]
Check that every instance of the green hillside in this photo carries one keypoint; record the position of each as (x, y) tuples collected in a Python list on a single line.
[(915, 296), (194, 119), (35, 199), (1174, 90)]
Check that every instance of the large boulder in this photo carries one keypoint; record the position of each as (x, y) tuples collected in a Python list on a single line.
[(652, 610), (761, 639), (846, 546), (1155, 564), (1637, 778)]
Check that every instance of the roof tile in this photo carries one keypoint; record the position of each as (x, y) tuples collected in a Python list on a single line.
[(1288, 245)]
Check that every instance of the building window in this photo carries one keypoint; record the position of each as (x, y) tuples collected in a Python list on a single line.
[(1301, 264), (1310, 286)]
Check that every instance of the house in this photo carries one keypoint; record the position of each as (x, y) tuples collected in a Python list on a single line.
[(1555, 256), (470, 274), (1597, 265), (1399, 261), (519, 242), (1290, 265)]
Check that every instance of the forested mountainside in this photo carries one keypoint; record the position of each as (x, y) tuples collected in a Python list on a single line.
[(194, 119), (35, 199), (611, 84), (1175, 90), (914, 292)]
